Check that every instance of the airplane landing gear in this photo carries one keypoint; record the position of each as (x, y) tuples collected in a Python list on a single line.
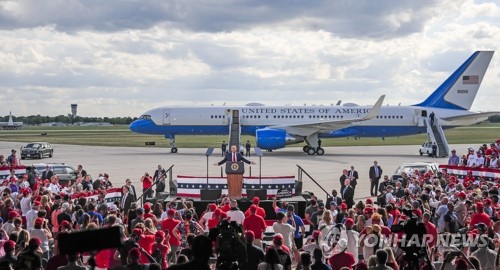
[(173, 148), (312, 151)]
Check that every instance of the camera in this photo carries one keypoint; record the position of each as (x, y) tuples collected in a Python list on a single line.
[(230, 245)]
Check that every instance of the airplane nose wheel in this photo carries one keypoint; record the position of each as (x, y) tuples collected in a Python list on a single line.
[(173, 150), (320, 151), (311, 151)]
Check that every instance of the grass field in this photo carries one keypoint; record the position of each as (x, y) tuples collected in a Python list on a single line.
[(121, 136)]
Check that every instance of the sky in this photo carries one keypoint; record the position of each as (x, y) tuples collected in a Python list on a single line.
[(121, 58)]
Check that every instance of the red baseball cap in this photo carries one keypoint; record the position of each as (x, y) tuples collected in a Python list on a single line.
[(137, 232), (479, 206), (349, 222), (255, 200), (13, 214), (417, 212), (160, 234), (171, 212), (9, 245), (343, 206), (249, 233), (462, 195), (278, 238), (39, 221), (147, 206), (34, 242), (369, 201), (253, 207), (212, 207)]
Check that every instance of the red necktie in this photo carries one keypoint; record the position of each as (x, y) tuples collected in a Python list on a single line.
[(234, 157)]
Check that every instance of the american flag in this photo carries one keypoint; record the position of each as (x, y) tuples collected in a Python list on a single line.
[(470, 79), (190, 186)]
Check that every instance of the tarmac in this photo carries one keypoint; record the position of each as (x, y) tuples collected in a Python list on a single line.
[(132, 162)]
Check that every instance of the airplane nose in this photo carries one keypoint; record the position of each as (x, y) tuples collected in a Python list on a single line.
[(134, 126)]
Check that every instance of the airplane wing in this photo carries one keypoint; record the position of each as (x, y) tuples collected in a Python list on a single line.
[(468, 119), (327, 124)]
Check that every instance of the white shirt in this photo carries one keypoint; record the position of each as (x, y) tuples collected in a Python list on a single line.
[(471, 161), (25, 205), (352, 243), (30, 219), (236, 215), (287, 231), (54, 188), (205, 218), (494, 163)]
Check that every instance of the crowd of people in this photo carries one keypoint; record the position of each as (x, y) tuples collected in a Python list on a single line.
[(425, 220)]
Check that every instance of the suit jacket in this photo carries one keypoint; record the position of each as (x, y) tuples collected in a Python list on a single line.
[(229, 157), (355, 177), (47, 174), (337, 200), (342, 178), (126, 201), (348, 196), (372, 172)]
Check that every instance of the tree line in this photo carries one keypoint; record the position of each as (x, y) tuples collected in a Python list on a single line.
[(40, 119)]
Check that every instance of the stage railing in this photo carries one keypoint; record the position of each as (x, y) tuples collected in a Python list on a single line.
[(301, 172)]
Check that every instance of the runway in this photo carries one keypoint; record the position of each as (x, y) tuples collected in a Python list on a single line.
[(132, 162)]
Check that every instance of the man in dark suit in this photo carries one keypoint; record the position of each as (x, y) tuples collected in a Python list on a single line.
[(342, 179), (348, 194), (353, 176), (223, 148), (234, 156), (375, 173), (335, 198), (131, 189), (126, 200), (48, 173)]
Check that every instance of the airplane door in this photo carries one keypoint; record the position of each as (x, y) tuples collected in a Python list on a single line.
[(166, 117)]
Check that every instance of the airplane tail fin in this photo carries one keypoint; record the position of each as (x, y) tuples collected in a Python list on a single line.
[(460, 89)]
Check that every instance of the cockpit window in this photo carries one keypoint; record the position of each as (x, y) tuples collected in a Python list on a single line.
[(145, 117)]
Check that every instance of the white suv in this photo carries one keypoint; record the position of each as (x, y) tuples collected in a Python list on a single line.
[(426, 148)]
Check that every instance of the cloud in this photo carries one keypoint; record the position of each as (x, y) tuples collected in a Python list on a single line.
[(120, 58)]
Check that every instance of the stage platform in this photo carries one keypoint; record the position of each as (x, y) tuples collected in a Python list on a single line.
[(299, 202)]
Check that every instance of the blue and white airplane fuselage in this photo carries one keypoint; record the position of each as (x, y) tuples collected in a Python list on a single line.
[(276, 126)]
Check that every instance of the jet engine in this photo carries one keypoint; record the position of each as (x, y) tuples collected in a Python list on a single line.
[(271, 139)]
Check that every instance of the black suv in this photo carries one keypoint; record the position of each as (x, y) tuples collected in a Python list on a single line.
[(63, 171), (37, 150)]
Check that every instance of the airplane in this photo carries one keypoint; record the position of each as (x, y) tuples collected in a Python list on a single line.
[(11, 124), (277, 126)]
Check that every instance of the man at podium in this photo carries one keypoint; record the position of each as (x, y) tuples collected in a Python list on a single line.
[(234, 171), (234, 156)]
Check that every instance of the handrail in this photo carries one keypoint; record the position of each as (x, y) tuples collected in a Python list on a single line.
[(299, 176), (169, 171)]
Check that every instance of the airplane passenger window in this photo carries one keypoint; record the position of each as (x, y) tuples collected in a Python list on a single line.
[(401, 117)]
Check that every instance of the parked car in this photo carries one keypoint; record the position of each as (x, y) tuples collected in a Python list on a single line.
[(37, 150), (63, 171), (409, 168), (426, 148)]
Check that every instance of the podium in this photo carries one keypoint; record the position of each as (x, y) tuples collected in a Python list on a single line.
[(234, 172)]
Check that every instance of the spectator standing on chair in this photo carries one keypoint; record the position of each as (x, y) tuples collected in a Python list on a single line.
[(147, 182), (374, 174)]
